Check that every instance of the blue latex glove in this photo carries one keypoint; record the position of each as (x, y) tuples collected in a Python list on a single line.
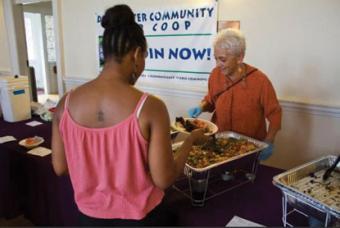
[(194, 112), (266, 153)]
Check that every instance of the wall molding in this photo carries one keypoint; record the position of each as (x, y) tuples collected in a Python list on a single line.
[(30, 1), (313, 109), (5, 72), (71, 82), (289, 106)]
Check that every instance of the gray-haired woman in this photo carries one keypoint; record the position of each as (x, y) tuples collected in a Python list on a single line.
[(240, 96)]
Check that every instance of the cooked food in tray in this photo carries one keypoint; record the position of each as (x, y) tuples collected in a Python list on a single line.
[(305, 185), (218, 150), (327, 192), (187, 125)]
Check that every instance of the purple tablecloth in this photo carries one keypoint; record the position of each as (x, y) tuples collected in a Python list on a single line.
[(29, 186), (28, 183)]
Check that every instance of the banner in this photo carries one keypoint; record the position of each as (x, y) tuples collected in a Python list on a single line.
[(179, 44)]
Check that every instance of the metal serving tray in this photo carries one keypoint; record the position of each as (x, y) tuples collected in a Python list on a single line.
[(304, 184), (227, 134)]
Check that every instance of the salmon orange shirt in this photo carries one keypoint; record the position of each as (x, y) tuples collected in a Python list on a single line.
[(244, 107)]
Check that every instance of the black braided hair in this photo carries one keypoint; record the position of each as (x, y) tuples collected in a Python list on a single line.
[(122, 34)]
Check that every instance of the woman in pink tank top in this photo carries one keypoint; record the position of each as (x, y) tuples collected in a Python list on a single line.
[(114, 140)]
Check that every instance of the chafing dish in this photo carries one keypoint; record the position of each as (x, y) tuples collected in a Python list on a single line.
[(306, 192), (198, 178), (227, 134)]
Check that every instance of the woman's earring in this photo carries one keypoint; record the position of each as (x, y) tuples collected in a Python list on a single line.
[(134, 75)]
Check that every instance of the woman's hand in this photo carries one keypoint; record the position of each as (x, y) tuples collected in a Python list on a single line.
[(267, 152), (195, 111), (197, 137)]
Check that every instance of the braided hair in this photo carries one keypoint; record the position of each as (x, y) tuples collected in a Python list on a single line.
[(122, 34)]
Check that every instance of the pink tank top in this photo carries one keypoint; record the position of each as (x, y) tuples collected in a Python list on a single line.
[(108, 167)]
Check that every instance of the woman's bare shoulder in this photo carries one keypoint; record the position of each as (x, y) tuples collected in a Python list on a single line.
[(155, 102), (154, 106)]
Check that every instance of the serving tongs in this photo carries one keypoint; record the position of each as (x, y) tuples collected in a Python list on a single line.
[(331, 169), (211, 144)]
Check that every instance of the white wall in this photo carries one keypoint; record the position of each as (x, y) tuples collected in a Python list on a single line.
[(307, 133), (296, 42), (15, 32), (5, 66)]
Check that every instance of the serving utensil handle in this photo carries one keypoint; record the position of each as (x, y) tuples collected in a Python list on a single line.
[(330, 170)]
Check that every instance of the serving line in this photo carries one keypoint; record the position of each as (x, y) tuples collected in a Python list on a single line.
[(30, 187)]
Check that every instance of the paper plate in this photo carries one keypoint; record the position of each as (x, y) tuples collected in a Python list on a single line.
[(211, 127), (31, 142)]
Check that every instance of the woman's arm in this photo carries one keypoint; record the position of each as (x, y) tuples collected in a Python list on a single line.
[(272, 111), (206, 106), (58, 154), (164, 167)]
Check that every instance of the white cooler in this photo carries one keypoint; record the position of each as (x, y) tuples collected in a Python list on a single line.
[(15, 98)]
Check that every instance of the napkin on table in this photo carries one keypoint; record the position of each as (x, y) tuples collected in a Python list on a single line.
[(34, 123), (7, 138), (40, 151), (241, 222)]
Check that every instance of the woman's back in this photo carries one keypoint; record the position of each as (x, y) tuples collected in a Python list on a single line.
[(103, 103), (112, 152)]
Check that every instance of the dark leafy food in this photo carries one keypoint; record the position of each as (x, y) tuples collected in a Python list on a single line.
[(190, 125)]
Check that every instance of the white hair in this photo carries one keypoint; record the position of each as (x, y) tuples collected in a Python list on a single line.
[(232, 40)]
